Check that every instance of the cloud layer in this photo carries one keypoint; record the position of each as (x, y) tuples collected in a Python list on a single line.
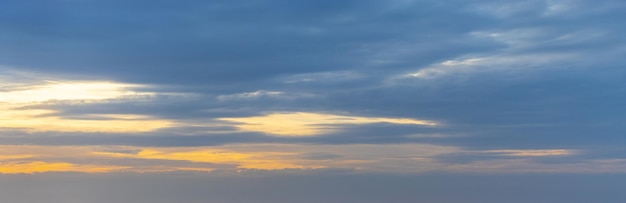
[(376, 86)]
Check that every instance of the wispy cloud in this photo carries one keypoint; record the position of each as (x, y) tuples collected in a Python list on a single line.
[(533, 152), (308, 124), (505, 64)]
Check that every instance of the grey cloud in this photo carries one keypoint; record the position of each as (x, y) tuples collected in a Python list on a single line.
[(320, 156), (162, 140), (118, 150)]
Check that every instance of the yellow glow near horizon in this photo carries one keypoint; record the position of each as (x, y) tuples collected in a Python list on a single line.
[(40, 167), (15, 112), (55, 90), (34, 120), (309, 124), (388, 158), (244, 160), (258, 160)]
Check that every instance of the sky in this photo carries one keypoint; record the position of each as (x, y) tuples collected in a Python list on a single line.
[(312, 101)]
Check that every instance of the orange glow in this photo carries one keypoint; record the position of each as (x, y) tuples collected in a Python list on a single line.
[(394, 158), (40, 167), (258, 160), (17, 156)]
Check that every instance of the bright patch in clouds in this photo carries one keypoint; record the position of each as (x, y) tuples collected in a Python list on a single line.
[(39, 121), (309, 124), (68, 90), (18, 97)]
